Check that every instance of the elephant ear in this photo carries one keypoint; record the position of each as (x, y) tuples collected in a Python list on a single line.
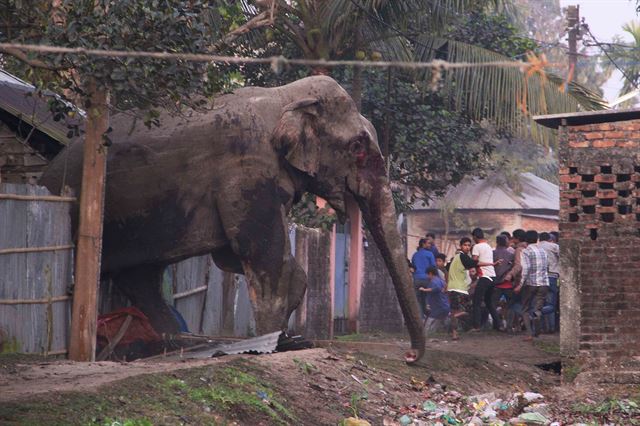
[(295, 135)]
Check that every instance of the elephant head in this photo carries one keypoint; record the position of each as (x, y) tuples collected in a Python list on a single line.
[(324, 138)]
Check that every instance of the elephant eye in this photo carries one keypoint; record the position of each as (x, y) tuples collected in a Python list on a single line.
[(359, 143), (358, 149)]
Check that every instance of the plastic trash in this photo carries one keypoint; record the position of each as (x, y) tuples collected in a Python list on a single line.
[(450, 420), (539, 408), (489, 413), (486, 397), (352, 421), (405, 420), (533, 419), (475, 421), (532, 396), (429, 406)]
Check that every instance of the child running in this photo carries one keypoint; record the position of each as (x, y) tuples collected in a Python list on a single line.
[(436, 298)]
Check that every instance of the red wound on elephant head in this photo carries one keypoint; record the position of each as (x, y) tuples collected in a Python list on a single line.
[(359, 152)]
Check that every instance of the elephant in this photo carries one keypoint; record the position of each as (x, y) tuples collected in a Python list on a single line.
[(221, 181)]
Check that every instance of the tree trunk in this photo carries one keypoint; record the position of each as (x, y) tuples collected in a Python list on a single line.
[(356, 84), (82, 345)]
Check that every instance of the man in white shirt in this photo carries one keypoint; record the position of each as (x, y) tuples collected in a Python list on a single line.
[(553, 258), (483, 254)]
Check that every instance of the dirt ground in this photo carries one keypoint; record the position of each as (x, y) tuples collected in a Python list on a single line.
[(339, 379)]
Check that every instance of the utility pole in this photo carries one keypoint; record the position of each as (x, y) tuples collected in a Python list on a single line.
[(84, 317), (573, 25)]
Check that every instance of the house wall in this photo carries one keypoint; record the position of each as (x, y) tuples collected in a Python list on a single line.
[(461, 222), (538, 223), (19, 163), (379, 308), (600, 230)]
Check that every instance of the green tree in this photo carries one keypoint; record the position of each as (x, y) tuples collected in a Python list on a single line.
[(419, 30), (134, 84), (543, 21), (627, 56)]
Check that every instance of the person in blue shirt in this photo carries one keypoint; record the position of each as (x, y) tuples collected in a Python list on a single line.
[(422, 260), (437, 299), (431, 244)]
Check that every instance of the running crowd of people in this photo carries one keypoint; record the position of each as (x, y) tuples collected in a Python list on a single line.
[(510, 288)]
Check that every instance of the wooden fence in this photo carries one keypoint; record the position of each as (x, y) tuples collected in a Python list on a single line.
[(36, 263)]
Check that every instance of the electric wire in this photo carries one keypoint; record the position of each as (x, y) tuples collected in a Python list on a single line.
[(615, 64)]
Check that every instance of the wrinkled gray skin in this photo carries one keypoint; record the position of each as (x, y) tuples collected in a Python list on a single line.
[(222, 182)]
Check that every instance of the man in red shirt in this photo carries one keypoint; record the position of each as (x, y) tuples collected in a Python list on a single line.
[(503, 287)]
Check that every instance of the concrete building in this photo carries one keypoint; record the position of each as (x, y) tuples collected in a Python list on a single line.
[(600, 235), (491, 204)]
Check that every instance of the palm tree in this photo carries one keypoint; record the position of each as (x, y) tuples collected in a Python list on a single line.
[(626, 56), (413, 30)]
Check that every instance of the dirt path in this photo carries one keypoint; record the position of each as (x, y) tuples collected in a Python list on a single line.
[(19, 381), (316, 386), (476, 356)]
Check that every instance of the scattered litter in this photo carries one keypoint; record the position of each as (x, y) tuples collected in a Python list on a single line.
[(405, 420), (356, 379), (532, 396), (489, 413), (451, 408), (417, 385), (475, 421), (533, 419), (541, 408), (429, 406), (353, 421)]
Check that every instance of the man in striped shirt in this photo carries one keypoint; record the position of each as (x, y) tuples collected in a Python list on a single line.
[(534, 283)]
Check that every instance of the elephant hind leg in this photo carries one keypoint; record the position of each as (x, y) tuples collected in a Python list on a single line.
[(143, 286)]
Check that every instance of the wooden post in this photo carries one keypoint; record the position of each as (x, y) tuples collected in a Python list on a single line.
[(82, 346)]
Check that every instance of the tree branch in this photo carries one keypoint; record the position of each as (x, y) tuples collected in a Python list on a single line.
[(263, 19), (36, 63)]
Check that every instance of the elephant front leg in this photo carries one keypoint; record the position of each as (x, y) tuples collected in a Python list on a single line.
[(275, 297), (259, 238)]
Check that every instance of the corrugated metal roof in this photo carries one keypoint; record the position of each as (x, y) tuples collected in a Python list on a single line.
[(493, 193), (591, 117), (19, 99), (264, 344)]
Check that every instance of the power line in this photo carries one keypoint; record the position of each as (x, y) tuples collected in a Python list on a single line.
[(633, 83), (276, 62)]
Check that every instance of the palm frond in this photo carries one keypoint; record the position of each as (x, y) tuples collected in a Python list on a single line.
[(504, 96)]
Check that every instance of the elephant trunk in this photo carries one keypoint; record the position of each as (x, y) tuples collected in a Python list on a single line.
[(379, 213)]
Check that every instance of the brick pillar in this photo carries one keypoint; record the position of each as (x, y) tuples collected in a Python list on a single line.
[(600, 257)]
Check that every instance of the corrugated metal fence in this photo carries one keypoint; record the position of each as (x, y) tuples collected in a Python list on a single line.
[(36, 274), (36, 259)]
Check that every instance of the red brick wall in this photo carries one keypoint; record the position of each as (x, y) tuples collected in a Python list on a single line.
[(600, 245)]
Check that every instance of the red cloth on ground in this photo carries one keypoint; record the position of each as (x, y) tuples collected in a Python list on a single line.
[(139, 329)]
